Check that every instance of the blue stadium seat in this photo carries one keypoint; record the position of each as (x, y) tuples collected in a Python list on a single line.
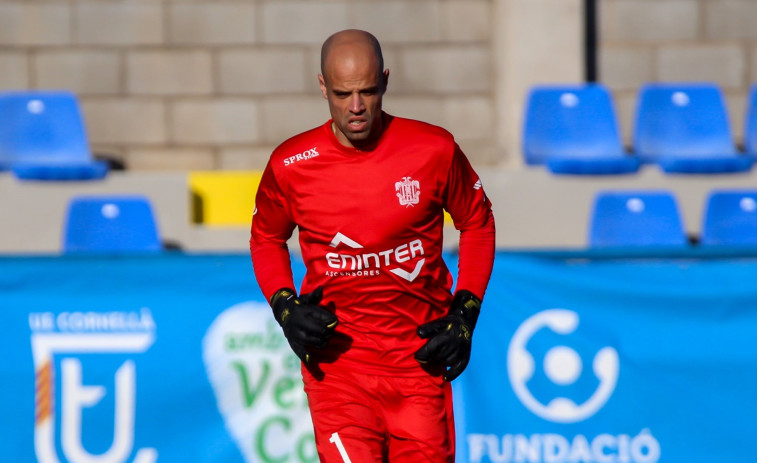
[(110, 224), (684, 128), (636, 218), (573, 129), (750, 123), (43, 137), (730, 218)]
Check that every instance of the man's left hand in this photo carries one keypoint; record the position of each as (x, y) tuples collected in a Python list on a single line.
[(450, 337)]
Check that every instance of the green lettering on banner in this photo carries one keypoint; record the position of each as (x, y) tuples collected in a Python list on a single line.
[(250, 394), (292, 362), (272, 339), (280, 389), (260, 440), (306, 451)]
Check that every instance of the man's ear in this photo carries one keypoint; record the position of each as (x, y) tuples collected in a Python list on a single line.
[(385, 80), (322, 83)]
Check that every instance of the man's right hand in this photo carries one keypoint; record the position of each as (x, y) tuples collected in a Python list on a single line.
[(304, 322)]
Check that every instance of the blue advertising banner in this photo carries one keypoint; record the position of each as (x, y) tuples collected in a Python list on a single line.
[(613, 360), (171, 358), (576, 358)]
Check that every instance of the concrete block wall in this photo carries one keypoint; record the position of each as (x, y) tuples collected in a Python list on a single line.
[(216, 84), (678, 40)]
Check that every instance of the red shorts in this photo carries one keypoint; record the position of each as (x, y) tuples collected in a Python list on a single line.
[(362, 418)]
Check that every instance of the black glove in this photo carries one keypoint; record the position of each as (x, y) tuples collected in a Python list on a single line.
[(450, 337), (304, 322)]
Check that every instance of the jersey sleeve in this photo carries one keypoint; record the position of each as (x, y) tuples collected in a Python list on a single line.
[(472, 215), (272, 226)]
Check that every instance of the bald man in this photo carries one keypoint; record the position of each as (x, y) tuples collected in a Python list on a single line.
[(378, 330)]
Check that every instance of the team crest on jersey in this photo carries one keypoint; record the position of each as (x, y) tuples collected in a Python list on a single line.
[(408, 191)]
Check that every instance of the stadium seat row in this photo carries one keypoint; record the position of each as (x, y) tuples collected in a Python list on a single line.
[(681, 127), (572, 129), (619, 218), (653, 219), (114, 224), (43, 137)]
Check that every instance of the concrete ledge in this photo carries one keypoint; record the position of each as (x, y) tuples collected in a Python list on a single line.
[(533, 208)]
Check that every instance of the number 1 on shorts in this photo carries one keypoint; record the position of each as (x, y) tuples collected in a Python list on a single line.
[(338, 442)]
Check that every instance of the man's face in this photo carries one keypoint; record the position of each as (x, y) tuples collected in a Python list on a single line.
[(354, 87)]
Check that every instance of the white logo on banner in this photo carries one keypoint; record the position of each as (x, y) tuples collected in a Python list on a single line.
[(68, 335), (258, 385), (562, 366)]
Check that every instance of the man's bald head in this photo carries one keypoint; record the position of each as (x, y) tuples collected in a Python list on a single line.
[(349, 44), (353, 80)]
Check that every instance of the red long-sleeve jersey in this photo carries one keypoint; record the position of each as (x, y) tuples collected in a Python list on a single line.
[(370, 232)]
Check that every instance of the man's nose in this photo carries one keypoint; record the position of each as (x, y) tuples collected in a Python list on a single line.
[(356, 103)]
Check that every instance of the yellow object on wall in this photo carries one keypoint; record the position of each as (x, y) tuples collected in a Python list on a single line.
[(223, 198), (447, 218), (227, 198)]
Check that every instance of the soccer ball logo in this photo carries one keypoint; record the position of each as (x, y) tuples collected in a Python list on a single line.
[(562, 366)]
